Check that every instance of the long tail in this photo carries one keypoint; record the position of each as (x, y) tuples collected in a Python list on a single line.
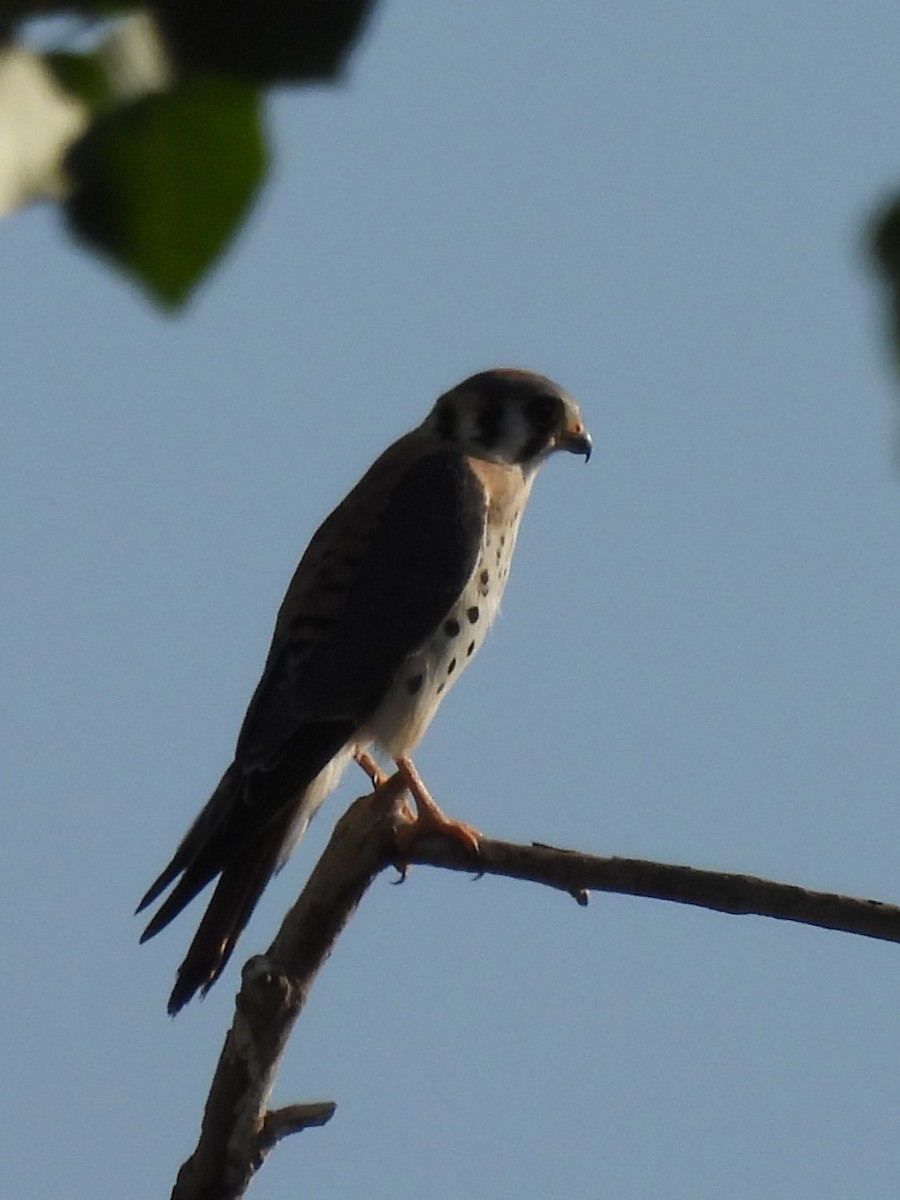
[(218, 843), (200, 856), (240, 886), (245, 831)]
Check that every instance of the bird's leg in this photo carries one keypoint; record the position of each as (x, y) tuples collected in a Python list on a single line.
[(371, 768), (379, 778), (429, 819)]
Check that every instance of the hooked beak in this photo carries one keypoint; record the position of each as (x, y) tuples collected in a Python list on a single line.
[(576, 440)]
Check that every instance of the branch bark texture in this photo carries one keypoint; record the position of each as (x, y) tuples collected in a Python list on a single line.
[(238, 1130)]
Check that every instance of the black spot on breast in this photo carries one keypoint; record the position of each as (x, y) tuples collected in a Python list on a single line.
[(440, 688), (473, 614), (451, 666), (485, 577), (451, 627), (470, 649), (414, 684)]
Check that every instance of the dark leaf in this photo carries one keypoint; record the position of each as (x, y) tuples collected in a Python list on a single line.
[(84, 76), (264, 41), (161, 185), (885, 247), (886, 243)]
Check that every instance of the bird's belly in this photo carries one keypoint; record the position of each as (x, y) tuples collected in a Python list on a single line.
[(407, 709), (313, 796)]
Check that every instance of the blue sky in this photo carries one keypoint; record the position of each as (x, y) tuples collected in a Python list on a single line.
[(663, 207)]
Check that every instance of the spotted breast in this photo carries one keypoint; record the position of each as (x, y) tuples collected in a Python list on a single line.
[(409, 706)]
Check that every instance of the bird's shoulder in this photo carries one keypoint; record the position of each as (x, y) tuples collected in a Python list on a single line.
[(379, 575), (419, 509)]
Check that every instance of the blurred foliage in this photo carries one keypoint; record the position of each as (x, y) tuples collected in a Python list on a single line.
[(164, 182), (263, 41), (166, 151), (885, 248)]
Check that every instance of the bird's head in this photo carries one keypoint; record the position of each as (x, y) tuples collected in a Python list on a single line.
[(509, 416)]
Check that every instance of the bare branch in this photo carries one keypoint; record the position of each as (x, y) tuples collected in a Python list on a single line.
[(578, 874), (279, 1122), (237, 1131)]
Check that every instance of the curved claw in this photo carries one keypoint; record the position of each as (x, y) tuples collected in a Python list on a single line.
[(429, 820)]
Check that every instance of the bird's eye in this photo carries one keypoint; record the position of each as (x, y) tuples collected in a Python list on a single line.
[(543, 410)]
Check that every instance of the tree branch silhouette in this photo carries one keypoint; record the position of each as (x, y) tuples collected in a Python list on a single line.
[(238, 1130)]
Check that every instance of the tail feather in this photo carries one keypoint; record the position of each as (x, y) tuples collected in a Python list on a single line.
[(236, 895), (159, 885), (193, 881), (196, 867), (198, 850), (244, 832)]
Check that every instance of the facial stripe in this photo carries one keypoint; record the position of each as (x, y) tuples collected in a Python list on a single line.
[(535, 444), (490, 422)]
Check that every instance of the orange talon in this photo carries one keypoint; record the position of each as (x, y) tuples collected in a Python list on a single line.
[(430, 821)]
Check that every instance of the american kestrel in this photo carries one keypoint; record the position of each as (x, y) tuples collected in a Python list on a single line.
[(392, 598)]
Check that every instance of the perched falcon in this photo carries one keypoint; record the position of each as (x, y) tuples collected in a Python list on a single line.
[(392, 598)]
